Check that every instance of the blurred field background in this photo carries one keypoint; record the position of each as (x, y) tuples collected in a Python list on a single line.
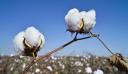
[(57, 65)]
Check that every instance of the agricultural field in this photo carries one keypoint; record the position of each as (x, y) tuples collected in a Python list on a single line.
[(57, 65)]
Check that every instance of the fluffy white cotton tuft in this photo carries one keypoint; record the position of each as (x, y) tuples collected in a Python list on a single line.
[(88, 70), (73, 20), (89, 19), (98, 71), (37, 70), (18, 45), (33, 36), (49, 68)]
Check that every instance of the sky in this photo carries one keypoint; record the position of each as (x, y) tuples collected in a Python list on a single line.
[(48, 17)]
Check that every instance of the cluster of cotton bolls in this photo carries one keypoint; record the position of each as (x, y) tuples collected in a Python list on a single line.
[(29, 41), (77, 62), (81, 22)]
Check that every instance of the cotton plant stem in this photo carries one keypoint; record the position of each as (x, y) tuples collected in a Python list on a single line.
[(102, 42), (76, 36), (47, 55), (105, 45)]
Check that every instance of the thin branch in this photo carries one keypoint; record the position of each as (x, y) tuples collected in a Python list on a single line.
[(105, 45), (102, 42), (76, 36), (44, 57)]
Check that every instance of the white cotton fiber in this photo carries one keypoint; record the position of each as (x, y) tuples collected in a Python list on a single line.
[(18, 45), (88, 70), (73, 20), (32, 36), (89, 20), (98, 71)]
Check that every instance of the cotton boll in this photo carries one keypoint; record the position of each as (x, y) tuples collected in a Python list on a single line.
[(78, 63), (29, 42), (73, 20), (18, 45), (49, 68), (32, 36), (37, 70), (88, 70), (98, 71), (81, 22), (79, 71)]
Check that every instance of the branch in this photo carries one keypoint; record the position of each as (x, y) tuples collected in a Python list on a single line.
[(47, 55), (102, 42)]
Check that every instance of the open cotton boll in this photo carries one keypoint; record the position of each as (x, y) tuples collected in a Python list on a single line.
[(32, 36), (98, 71), (73, 20), (18, 45), (81, 22), (89, 19), (29, 42), (88, 70)]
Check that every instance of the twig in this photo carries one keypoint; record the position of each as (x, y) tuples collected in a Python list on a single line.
[(76, 36), (102, 42), (55, 50)]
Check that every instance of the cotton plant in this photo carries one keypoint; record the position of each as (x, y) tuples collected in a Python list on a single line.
[(80, 22), (77, 22), (29, 42)]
